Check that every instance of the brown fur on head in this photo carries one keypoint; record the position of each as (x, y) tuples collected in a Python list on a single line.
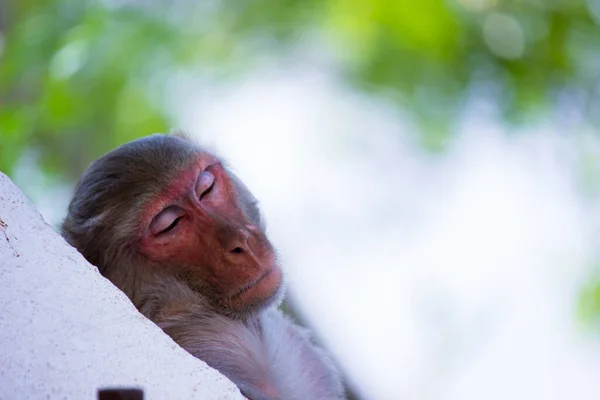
[(163, 206)]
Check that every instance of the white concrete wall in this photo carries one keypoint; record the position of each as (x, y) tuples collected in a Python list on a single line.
[(65, 331)]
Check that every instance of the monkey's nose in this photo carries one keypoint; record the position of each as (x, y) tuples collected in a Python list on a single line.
[(241, 246), (238, 250)]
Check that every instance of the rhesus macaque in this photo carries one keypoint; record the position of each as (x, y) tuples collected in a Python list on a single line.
[(181, 235)]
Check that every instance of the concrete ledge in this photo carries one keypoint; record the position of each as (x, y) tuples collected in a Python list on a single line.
[(66, 331)]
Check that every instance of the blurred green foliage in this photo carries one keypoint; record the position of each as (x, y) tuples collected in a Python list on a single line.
[(588, 308), (78, 77), (431, 53)]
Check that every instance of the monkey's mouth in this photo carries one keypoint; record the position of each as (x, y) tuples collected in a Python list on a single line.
[(254, 283)]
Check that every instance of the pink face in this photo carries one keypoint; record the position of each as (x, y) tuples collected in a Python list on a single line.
[(197, 224)]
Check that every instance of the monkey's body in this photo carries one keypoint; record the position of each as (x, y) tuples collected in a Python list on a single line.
[(169, 225), (264, 353)]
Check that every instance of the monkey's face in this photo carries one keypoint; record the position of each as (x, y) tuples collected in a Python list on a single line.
[(202, 226)]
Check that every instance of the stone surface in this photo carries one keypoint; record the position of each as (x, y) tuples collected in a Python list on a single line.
[(66, 331)]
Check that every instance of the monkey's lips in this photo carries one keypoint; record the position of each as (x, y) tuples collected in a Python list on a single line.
[(261, 289)]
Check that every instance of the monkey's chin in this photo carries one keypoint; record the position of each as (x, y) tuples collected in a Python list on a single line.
[(259, 294)]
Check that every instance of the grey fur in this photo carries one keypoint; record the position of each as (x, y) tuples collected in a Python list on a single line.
[(266, 355)]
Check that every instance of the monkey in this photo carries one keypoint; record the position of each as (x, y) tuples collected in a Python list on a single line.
[(169, 223)]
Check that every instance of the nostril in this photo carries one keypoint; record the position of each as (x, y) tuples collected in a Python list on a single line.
[(237, 250)]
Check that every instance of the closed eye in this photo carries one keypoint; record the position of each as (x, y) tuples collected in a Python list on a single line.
[(170, 227), (166, 220), (207, 190), (205, 184)]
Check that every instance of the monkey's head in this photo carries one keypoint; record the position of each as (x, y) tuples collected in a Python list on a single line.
[(163, 205)]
